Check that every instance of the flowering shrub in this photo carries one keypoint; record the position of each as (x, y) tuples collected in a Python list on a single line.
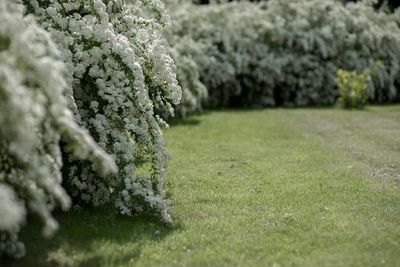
[(218, 40), (353, 88), (288, 52), (194, 92), (34, 118), (123, 80)]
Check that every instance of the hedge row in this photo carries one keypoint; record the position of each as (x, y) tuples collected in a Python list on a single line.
[(286, 52)]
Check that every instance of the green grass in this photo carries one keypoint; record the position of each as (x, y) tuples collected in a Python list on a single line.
[(275, 187)]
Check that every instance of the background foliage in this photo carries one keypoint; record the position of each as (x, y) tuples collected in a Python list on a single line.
[(288, 52)]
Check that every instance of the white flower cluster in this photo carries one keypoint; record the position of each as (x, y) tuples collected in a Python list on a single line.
[(123, 81), (286, 52), (34, 118)]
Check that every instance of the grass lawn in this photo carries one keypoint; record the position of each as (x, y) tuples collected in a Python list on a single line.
[(274, 187)]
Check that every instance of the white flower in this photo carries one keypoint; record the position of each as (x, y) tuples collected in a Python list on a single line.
[(12, 211), (142, 36)]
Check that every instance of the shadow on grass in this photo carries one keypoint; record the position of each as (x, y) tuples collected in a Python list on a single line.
[(191, 120), (83, 237), (368, 108), (271, 108)]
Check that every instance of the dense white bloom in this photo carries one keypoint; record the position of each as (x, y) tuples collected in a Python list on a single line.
[(13, 212), (34, 118), (122, 78)]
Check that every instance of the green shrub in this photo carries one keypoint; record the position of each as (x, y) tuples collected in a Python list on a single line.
[(353, 88)]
